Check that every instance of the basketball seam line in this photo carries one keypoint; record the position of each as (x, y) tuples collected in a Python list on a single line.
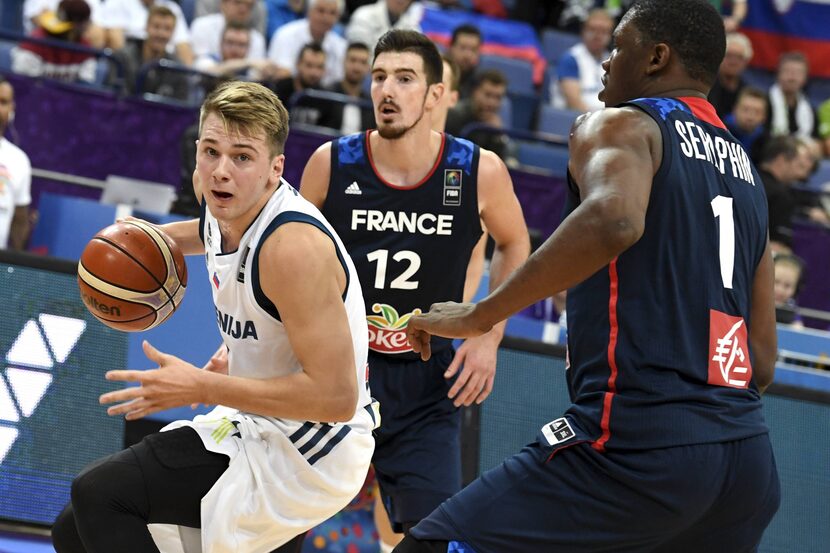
[(139, 263)]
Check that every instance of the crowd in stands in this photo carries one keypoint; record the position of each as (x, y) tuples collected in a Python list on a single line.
[(316, 55)]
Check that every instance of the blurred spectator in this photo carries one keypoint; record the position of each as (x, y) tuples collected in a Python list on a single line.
[(137, 53), (68, 24), (258, 15), (311, 65), (790, 111), (730, 80), (464, 51), (123, 19), (207, 30), (782, 165), (15, 179), (350, 118), (579, 71), (746, 122), (281, 12), (732, 21), (483, 107), (452, 83), (789, 270), (823, 115), (233, 59), (94, 32), (369, 23), (316, 27)]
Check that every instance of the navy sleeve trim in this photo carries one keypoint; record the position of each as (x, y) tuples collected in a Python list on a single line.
[(202, 214), (281, 219)]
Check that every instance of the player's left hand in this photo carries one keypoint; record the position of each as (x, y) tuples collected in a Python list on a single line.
[(477, 356), (174, 384)]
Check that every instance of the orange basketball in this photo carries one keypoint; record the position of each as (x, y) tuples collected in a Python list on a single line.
[(132, 276)]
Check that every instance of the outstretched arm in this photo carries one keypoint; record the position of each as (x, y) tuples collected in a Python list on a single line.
[(614, 155)]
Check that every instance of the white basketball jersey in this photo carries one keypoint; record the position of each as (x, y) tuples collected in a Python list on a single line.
[(285, 476)]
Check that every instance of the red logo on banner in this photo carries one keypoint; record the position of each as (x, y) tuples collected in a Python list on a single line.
[(728, 351)]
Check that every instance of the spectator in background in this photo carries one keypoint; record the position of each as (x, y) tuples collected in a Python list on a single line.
[(316, 27), (137, 53), (94, 32), (258, 14), (369, 23), (790, 111), (123, 19), (281, 12), (233, 60), (746, 122), (311, 65), (579, 71), (780, 168), (464, 51), (351, 118), (15, 179), (483, 106), (207, 30), (789, 270), (730, 80), (68, 25)]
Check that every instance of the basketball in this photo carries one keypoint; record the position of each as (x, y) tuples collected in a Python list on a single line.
[(132, 276)]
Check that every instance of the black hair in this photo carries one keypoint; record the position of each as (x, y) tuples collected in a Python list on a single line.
[(310, 47), (493, 76), (786, 146), (692, 28), (465, 29), (400, 40), (357, 46)]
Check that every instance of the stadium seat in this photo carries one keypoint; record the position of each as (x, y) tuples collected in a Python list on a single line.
[(524, 110), (6, 56), (543, 156), (556, 121), (759, 78), (188, 9), (555, 43), (820, 180), (506, 111), (550, 76), (519, 73)]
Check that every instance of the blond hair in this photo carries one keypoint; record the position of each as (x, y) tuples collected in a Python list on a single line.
[(248, 109)]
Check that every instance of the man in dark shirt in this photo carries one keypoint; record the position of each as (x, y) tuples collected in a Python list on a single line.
[(311, 66), (351, 118), (729, 82), (779, 170), (483, 107)]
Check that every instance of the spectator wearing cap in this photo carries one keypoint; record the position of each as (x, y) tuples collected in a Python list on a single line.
[(207, 30), (32, 9), (67, 24), (579, 71), (315, 27), (140, 53), (123, 19), (729, 81)]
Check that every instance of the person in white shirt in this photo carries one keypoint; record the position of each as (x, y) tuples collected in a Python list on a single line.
[(94, 33), (317, 26), (124, 19), (233, 59), (369, 23), (15, 180), (207, 30), (259, 15)]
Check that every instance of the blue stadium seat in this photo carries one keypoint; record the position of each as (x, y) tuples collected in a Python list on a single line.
[(6, 56), (556, 121), (818, 90), (550, 77), (759, 78), (555, 43), (543, 156), (506, 111), (519, 73), (821, 178), (524, 110), (188, 9)]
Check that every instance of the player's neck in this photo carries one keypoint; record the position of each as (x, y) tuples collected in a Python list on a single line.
[(407, 160), (232, 230)]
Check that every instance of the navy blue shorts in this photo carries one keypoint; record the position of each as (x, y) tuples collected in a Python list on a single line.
[(714, 498), (417, 447)]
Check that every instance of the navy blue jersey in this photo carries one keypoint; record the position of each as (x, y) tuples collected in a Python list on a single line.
[(411, 246), (658, 340)]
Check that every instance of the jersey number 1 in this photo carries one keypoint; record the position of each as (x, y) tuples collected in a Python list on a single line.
[(722, 208), (401, 282)]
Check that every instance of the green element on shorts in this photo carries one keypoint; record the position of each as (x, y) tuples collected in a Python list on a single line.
[(221, 432)]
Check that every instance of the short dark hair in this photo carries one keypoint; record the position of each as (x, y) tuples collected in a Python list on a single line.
[(357, 46), (752, 92), (776, 146), (401, 40), (793, 56), (310, 47), (692, 28), (465, 29), (235, 26), (493, 76), (455, 83)]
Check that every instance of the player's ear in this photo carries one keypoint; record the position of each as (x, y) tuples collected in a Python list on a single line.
[(277, 167), (659, 57), (436, 91)]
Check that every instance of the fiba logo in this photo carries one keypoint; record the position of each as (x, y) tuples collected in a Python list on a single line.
[(42, 344)]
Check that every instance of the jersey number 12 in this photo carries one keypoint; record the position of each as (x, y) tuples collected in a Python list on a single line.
[(401, 282)]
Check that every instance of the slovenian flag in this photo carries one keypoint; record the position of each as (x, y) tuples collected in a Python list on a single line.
[(778, 26), (215, 280), (509, 39)]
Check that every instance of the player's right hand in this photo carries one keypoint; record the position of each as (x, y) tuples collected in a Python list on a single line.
[(448, 319)]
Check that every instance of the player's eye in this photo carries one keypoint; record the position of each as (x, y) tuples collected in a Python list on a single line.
[(243, 157)]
